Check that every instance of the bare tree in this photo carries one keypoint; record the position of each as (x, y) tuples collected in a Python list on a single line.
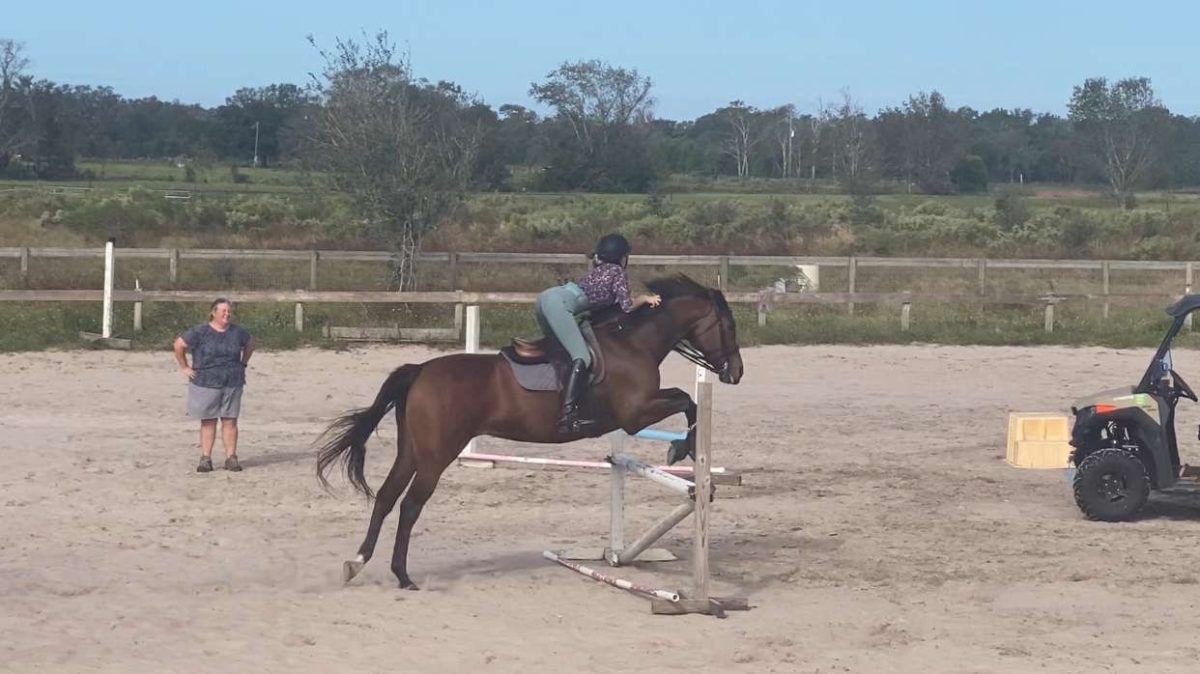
[(852, 144), (15, 100), (743, 135), (784, 135), (1120, 125), (816, 125), (401, 146)]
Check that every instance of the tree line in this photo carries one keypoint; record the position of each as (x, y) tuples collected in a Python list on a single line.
[(602, 135), (408, 149)]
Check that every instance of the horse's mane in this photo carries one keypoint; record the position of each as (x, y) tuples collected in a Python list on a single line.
[(668, 288)]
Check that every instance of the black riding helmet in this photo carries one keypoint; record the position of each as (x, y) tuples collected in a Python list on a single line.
[(612, 248)]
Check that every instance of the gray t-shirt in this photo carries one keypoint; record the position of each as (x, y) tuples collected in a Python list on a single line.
[(217, 356)]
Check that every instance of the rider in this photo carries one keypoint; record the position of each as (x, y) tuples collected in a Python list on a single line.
[(604, 285)]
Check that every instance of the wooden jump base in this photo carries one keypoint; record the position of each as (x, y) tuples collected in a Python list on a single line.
[(699, 600)]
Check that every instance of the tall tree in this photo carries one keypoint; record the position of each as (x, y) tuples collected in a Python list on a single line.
[(602, 114), (852, 145), (256, 122), (55, 127), (15, 100), (1118, 125), (783, 132), (404, 148), (742, 134), (933, 144)]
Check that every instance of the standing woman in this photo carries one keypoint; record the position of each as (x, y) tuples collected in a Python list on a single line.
[(220, 352)]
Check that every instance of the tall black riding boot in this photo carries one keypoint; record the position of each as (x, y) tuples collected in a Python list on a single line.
[(577, 383)]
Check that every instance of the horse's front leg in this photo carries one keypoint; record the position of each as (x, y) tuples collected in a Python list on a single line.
[(665, 403)]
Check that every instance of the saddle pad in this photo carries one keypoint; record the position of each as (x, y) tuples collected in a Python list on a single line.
[(540, 377)]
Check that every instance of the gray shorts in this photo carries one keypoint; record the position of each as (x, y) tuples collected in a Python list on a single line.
[(211, 403)]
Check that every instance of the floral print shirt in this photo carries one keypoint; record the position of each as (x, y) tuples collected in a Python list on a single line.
[(606, 284)]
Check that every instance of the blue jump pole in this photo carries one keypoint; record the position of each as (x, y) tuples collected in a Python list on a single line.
[(655, 434)]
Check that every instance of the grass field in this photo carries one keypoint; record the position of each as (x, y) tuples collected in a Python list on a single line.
[(285, 208)]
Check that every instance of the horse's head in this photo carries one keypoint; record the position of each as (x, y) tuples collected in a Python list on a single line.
[(709, 331)]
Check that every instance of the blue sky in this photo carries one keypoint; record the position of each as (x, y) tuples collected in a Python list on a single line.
[(699, 54)]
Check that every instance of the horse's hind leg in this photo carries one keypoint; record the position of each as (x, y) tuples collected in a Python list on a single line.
[(397, 479), (667, 402), (410, 509)]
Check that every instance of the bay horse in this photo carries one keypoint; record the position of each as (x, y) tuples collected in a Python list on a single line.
[(443, 403)]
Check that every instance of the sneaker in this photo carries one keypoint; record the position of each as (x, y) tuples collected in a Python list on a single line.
[(205, 465), (231, 463)]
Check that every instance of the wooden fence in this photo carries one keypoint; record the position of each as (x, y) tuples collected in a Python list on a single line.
[(723, 263), (763, 300)]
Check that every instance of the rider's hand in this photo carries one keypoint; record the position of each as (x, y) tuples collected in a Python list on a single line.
[(652, 300), (187, 372)]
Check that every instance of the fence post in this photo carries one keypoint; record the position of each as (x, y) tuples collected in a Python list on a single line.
[(174, 263), (1187, 290), (982, 271), (299, 317), (312, 270), (110, 262), (762, 314), (904, 316), (1105, 270), (137, 317), (1050, 316), (723, 274), (25, 267), (453, 271), (853, 274)]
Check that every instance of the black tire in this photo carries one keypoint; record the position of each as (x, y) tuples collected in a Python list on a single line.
[(1111, 485)]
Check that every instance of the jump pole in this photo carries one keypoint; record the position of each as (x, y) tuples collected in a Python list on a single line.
[(660, 595)]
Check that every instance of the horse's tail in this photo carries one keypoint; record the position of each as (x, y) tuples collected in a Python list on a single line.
[(351, 430)]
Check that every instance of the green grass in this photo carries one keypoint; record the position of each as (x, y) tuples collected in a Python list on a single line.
[(696, 221), (163, 175)]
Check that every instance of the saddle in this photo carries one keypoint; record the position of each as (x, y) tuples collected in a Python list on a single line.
[(542, 364)]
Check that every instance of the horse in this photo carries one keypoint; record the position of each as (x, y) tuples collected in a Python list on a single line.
[(442, 403)]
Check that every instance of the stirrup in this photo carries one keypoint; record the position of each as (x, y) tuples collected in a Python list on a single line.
[(573, 424)]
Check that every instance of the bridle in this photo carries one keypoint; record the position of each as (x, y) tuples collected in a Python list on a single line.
[(685, 348)]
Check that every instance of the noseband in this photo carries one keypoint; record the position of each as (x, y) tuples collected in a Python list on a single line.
[(686, 349)]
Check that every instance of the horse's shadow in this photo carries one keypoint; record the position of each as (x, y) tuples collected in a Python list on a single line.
[(511, 562), (260, 460)]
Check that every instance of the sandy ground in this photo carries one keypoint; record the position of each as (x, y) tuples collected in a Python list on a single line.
[(879, 529)]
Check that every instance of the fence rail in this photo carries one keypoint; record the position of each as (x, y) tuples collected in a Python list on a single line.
[(573, 258), (763, 299), (723, 263), (469, 297)]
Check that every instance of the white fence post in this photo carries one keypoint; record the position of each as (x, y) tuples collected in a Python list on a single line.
[(107, 320)]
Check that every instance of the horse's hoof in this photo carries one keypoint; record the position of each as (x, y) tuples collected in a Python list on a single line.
[(409, 585), (678, 452), (350, 569)]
